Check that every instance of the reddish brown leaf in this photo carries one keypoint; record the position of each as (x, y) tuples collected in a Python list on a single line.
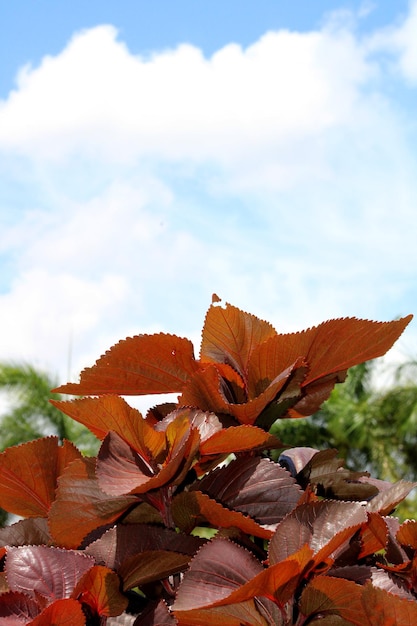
[(239, 439), (380, 608), (230, 336), (325, 526), (326, 596), (101, 415), (66, 612), (192, 508), (120, 470), (277, 582), (33, 531), (157, 614), (81, 506), (208, 390), (254, 486), (17, 609), (50, 572), (374, 535), (329, 350), (99, 587), (123, 542), (138, 365), (28, 475), (386, 501), (150, 566), (407, 533), (218, 569), (242, 614)]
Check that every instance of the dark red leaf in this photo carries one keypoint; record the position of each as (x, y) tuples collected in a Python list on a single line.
[(254, 486), (99, 587), (17, 608), (326, 596), (380, 608), (156, 614), (66, 612), (33, 531), (386, 501), (325, 526), (219, 568), (125, 541), (277, 582), (28, 475), (81, 506), (138, 365), (151, 565), (120, 470), (193, 508), (50, 572)]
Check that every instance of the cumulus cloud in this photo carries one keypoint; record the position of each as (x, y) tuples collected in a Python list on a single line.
[(278, 175)]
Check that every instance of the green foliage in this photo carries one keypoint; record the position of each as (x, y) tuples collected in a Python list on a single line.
[(31, 415)]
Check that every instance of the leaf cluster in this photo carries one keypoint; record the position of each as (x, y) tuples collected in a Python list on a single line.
[(183, 518)]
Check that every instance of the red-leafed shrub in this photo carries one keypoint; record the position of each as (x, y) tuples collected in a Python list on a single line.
[(183, 518)]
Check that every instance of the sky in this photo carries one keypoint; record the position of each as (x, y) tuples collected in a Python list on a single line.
[(154, 153)]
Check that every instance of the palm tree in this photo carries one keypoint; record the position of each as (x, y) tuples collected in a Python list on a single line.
[(30, 415)]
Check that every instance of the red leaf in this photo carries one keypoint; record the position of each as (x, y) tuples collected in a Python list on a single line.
[(28, 475), (386, 500), (380, 608), (326, 596), (254, 486), (374, 536), (150, 566), (407, 533), (191, 508), (17, 608), (208, 390), (329, 350), (61, 613), (157, 614), (325, 526), (277, 582), (138, 365), (219, 568), (50, 572), (120, 470), (122, 542), (33, 531), (81, 506), (99, 588), (230, 336), (239, 439), (101, 415)]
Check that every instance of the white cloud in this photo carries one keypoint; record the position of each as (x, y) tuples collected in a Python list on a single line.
[(400, 41), (97, 98), (278, 176)]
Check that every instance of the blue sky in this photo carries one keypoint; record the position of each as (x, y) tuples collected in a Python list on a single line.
[(152, 153)]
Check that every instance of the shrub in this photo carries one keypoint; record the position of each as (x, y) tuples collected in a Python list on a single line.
[(183, 518)]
